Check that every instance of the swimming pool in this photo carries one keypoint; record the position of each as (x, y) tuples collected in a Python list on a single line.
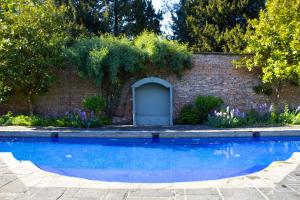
[(152, 161)]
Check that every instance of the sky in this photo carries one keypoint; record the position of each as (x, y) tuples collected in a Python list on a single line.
[(161, 5)]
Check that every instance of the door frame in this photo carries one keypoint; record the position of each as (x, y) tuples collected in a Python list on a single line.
[(156, 80)]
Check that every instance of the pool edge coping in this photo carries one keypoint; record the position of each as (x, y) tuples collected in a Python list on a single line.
[(189, 133), (28, 172)]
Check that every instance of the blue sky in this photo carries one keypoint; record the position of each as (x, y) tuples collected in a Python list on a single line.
[(160, 5)]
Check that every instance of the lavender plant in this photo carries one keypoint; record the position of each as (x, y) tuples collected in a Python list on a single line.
[(227, 118), (262, 114)]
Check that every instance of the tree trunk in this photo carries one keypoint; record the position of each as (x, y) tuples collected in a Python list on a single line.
[(278, 95), (30, 103), (116, 18), (278, 92)]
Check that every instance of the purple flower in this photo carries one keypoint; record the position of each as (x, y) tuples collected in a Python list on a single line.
[(232, 112), (238, 113), (92, 114), (264, 108), (83, 116)]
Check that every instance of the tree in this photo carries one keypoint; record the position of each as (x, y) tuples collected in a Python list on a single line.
[(274, 42), (143, 17), (32, 36), (91, 14), (214, 25), (130, 17), (153, 18), (179, 25)]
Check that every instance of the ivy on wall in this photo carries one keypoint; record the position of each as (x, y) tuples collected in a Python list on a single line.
[(110, 60)]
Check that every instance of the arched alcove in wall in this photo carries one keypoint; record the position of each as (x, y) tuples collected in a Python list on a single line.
[(152, 102)]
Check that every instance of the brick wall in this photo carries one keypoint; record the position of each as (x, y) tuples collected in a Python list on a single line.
[(212, 74), (65, 95)]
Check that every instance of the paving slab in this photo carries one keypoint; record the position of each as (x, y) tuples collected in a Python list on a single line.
[(280, 193), (152, 193), (49, 193), (150, 198), (295, 187), (15, 186), (117, 194), (241, 193), (6, 178)]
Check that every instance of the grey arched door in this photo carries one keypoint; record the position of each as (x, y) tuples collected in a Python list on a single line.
[(152, 102)]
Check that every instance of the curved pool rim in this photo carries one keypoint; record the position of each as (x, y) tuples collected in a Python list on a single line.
[(269, 176), (248, 174)]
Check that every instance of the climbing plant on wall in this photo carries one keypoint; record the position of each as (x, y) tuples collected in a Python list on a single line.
[(110, 60)]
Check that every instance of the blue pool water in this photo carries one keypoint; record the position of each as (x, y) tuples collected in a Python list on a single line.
[(152, 161)]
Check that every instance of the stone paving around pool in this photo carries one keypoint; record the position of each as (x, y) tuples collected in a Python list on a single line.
[(23, 180)]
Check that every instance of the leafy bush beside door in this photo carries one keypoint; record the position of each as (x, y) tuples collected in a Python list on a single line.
[(197, 112)]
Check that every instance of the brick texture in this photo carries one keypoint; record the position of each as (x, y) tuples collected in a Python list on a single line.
[(212, 74)]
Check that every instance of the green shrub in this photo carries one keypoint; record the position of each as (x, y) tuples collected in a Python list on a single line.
[(5, 118), (73, 119), (297, 119), (94, 103), (206, 104), (198, 112), (21, 120), (288, 116), (189, 115)]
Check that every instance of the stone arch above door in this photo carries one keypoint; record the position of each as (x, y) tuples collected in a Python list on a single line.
[(152, 102)]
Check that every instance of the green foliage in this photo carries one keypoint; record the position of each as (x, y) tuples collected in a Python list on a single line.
[(274, 41), (23, 120), (70, 120), (179, 26), (5, 91), (105, 57), (189, 115), (111, 61), (94, 103), (143, 17), (32, 36), (296, 120), (263, 89), (198, 112), (215, 25), (129, 17), (77, 118), (225, 122), (162, 54), (260, 117), (227, 118), (288, 116), (205, 104)]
